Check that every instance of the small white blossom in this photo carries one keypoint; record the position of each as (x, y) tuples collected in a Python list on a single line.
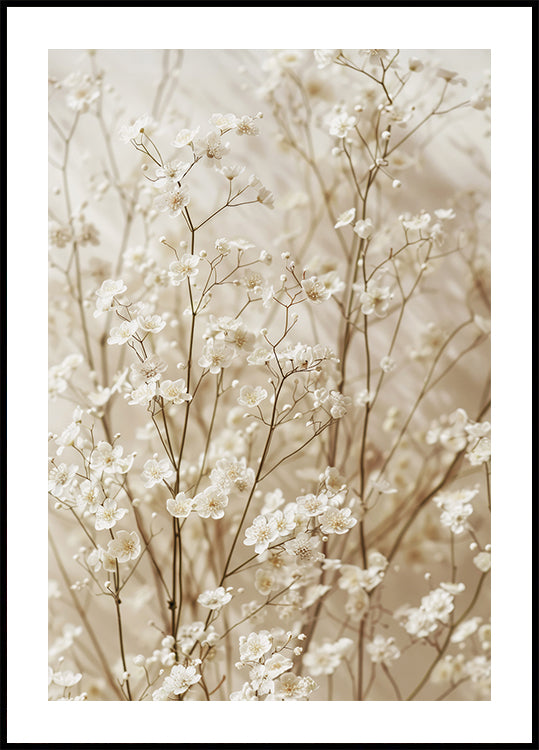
[(315, 289), (186, 267), (125, 546), (216, 355), (123, 333), (108, 514), (184, 137), (251, 396), (174, 391), (173, 202), (255, 645), (180, 506), (337, 521), (482, 561), (214, 599), (364, 228), (261, 533), (383, 650), (211, 503), (155, 472)]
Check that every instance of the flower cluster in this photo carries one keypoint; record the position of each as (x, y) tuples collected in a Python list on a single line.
[(269, 336)]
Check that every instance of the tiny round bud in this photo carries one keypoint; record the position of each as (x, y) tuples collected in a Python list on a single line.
[(396, 184)]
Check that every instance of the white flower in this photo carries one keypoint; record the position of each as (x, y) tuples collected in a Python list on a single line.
[(338, 404), (184, 137), (420, 623), (246, 125), (172, 202), (155, 472), (465, 629), (480, 452), (251, 396), (212, 146), (341, 124), (174, 391), (303, 549), (148, 370), (223, 122), (326, 658), (89, 497), (180, 506), (261, 533), (438, 604), (106, 295), (211, 503), (214, 599), (246, 693), (387, 364), (110, 460), (143, 394), (417, 223), (383, 650), (336, 521), (151, 323), (482, 561), (111, 288), (135, 128), (231, 171), (375, 299), (180, 679), (264, 195), (83, 91), (478, 669), (456, 508), (315, 289), (364, 228), (125, 546), (217, 354), (292, 687), (347, 217), (107, 514), (123, 333), (169, 175), (184, 268), (67, 678), (255, 645), (276, 665), (312, 505), (100, 557), (232, 474), (61, 477)]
